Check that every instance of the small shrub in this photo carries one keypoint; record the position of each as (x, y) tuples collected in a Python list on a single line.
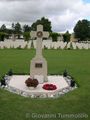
[(65, 73), (2, 80), (72, 83), (31, 82), (10, 72)]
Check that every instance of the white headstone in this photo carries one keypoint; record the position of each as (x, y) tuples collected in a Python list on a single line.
[(68, 45), (74, 45), (1, 45), (47, 44)]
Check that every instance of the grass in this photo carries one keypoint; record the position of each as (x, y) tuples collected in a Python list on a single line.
[(77, 63)]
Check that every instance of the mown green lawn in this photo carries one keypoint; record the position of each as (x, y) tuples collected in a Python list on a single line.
[(77, 62)]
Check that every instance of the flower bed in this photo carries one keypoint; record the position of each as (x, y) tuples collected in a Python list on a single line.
[(49, 87)]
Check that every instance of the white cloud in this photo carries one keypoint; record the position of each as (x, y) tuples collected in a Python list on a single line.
[(63, 14)]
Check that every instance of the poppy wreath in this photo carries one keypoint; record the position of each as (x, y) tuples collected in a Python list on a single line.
[(49, 87), (31, 82)]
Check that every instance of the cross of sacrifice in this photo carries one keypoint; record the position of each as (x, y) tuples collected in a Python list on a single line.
[(38, 67)]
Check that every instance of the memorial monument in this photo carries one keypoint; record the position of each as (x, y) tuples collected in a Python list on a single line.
[(38, 67)]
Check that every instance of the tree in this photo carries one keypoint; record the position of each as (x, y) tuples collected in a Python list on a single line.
[(18, 29), (3, 28), (66, 36), (82, 30), (45, 22), (2, 36), (54, 36), (26, 28), (13, 28), (26, 36), (4, 32)]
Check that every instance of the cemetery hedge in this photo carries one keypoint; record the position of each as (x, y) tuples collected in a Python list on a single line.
[(76, 62)]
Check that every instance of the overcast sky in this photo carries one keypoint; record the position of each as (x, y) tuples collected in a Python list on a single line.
[(62, 13)]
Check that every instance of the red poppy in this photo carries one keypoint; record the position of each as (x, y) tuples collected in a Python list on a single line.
[(49, 87)]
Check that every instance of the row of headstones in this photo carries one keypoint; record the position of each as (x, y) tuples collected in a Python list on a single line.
[(48, 44)]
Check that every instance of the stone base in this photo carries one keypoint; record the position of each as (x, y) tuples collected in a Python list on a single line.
[(38, 67), (17, 85)]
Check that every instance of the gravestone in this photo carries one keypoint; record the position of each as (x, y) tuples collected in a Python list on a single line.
[(38, 65), (13, 37)]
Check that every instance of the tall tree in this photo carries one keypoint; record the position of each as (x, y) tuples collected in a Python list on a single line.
[(26, 28), (13, 28), (3, 28), (18, 29), (54, 36), (82, 30), (45, 22), (66, 36), (2, 36), (26, 36)]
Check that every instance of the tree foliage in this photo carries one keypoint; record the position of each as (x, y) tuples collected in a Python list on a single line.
[(82, 30), (3, 28), (16, 29), (66, 36), (26, 28), (26, 36), (45, 22), (54, 36), (2, 36)]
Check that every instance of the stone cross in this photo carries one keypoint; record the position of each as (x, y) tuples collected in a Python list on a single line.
[(38, 67), (39, 34)]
